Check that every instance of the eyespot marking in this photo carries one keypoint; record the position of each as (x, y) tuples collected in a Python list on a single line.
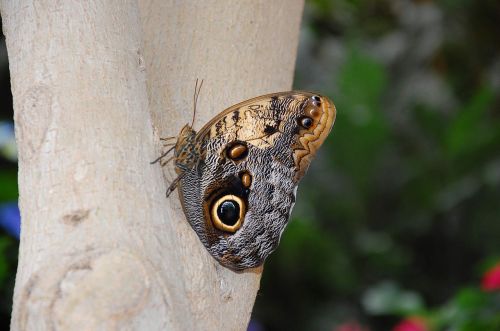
[(228, 212), (246, 179), (306, 122), (313, 112), (236, 151)]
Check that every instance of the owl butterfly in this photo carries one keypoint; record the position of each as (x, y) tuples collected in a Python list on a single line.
[(238, 176)]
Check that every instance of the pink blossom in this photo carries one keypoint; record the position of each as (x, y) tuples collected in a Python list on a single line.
[(491, 279), (411, 324)]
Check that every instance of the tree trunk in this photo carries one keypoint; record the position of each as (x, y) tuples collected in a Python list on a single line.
[(95, 83)]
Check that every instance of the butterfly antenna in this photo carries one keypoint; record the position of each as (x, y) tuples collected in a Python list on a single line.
[(197, 90)]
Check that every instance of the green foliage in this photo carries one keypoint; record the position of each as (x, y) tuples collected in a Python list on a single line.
[(5, 244), (400, 210), (471, 131), (387, 298), (362, 81), (8, 262), (8, 191)]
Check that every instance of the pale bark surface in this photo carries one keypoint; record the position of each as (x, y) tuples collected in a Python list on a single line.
[(95, 83)]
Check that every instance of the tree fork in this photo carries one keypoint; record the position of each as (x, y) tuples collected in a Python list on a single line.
[(95, 84)]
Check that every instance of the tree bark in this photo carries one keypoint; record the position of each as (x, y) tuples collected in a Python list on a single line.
[(95, 83)]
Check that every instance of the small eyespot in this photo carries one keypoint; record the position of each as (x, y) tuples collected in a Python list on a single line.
[(246, 179), (316, 101), (228, 213), (306, 122), (236, 151)]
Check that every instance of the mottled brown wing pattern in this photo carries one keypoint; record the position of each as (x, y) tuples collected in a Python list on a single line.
[(238, 176)]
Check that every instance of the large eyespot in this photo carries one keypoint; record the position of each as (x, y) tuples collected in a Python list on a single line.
[(228, 212)]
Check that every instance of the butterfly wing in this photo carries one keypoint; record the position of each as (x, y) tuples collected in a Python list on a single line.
[(239, 196)]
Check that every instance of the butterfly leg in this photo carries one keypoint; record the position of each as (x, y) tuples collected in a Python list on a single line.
[(163, 163), (174, 184), (163, 155)]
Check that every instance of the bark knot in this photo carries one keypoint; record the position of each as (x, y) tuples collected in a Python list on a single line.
[(33, 119), (76, 217)]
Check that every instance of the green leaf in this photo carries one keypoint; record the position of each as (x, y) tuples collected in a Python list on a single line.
[(471, 128), (362, 132), (387, 298)]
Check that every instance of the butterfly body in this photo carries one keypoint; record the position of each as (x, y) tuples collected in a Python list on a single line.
[(186, 151), (239, 174)]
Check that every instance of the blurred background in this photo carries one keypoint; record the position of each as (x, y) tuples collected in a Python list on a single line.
[(397, 223)]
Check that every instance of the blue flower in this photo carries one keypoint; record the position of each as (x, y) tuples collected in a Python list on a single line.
[(10, 218)]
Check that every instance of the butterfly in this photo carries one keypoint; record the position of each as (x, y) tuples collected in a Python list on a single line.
[(237, 176)]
